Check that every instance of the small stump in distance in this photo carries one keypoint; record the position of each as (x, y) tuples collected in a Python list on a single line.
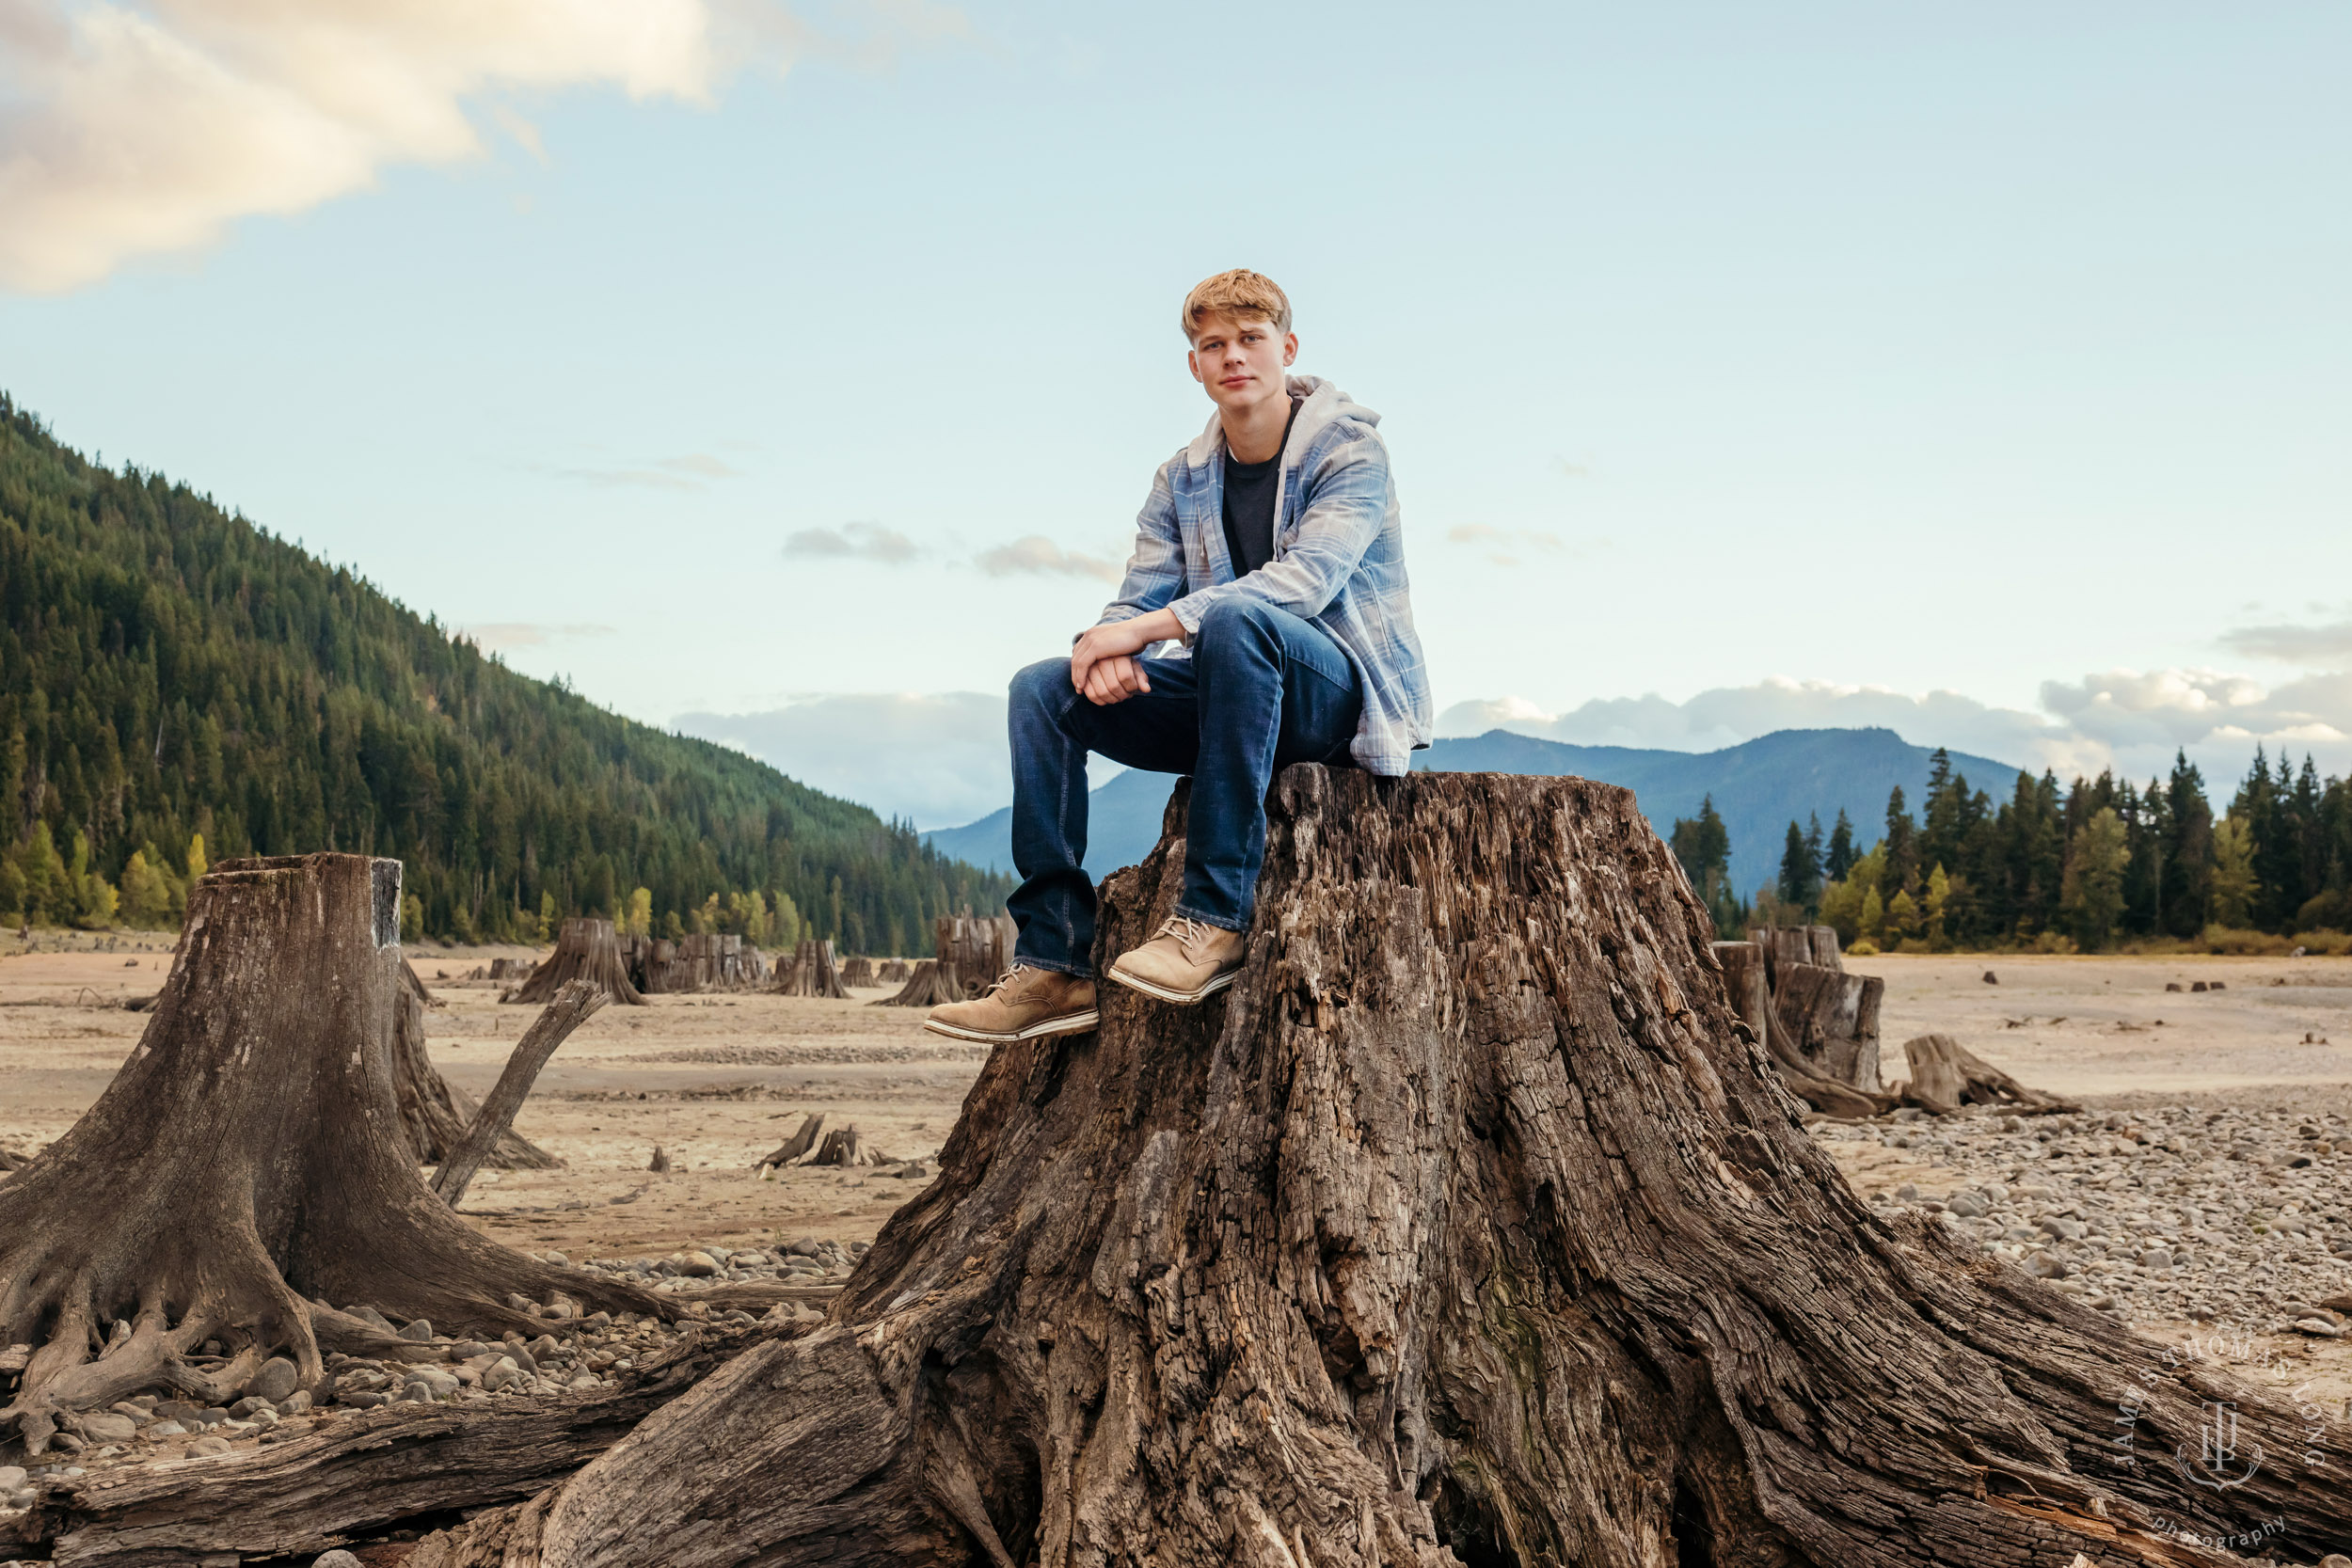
[(586, 949)]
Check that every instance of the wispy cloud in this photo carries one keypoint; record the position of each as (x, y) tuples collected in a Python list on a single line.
[(493, 636), (851, 542), (693, 471), (1035, 555), (2294, 642), (136, 130)]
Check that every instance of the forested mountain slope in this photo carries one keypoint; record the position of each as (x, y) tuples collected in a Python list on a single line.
[(170, 669)]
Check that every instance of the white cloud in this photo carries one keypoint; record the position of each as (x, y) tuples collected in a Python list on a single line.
[(851, 542), (136, 129), (2291, 642), (2130, 721), (1037, 556), (2132, 713)]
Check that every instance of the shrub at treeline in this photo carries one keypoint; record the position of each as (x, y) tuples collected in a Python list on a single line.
[(2094, 867), (174, 681)]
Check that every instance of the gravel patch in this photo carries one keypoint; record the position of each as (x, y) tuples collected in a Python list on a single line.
[(2157, 1212)]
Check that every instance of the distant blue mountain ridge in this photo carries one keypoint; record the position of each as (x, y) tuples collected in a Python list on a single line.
[(1758, 787)]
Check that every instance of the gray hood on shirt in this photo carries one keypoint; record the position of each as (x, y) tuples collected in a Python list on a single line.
[(1320, 404)]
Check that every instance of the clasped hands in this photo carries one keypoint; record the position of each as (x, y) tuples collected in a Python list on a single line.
[(1103, 665)]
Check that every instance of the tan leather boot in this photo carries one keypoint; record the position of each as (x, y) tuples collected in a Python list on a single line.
[(1022, 1004), (1183, 963)]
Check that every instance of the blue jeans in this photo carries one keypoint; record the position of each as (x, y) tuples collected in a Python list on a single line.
[(1263, 690)]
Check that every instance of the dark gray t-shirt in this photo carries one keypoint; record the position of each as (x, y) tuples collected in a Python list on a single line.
[(1250, 489)]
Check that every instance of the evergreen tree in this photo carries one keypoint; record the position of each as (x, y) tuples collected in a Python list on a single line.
[(1702, 844), (2331, 908), (1902, 842), (1944, 813), (2306, 840), (2270, 850), (1800, 867), (2188, 869), (2147, 831), (1842, 853)]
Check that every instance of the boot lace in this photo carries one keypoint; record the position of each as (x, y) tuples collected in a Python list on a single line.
[(1191, 934), (1008, 977)]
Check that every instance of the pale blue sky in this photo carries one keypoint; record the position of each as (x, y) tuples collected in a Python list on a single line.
[(2001, 350)]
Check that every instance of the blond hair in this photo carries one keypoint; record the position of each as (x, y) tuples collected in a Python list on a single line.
[(1236, 294)]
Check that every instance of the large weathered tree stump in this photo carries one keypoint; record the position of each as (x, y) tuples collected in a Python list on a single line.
[(586, 949), (1468, 1228), (248, 1165)]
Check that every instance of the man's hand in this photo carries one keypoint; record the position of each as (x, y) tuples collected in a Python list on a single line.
[(1102, 666), (1115, 680)]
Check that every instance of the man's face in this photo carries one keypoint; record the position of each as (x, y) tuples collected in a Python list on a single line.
[(1239, 363)]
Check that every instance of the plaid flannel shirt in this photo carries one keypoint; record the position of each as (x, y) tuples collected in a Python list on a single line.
[(1339, 560)]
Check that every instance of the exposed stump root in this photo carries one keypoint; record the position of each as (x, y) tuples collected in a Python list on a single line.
[(362, 1474), (246, 1166), (1465, 1229)]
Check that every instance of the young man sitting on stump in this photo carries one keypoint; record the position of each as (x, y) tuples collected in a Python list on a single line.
[(1268, 574)]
